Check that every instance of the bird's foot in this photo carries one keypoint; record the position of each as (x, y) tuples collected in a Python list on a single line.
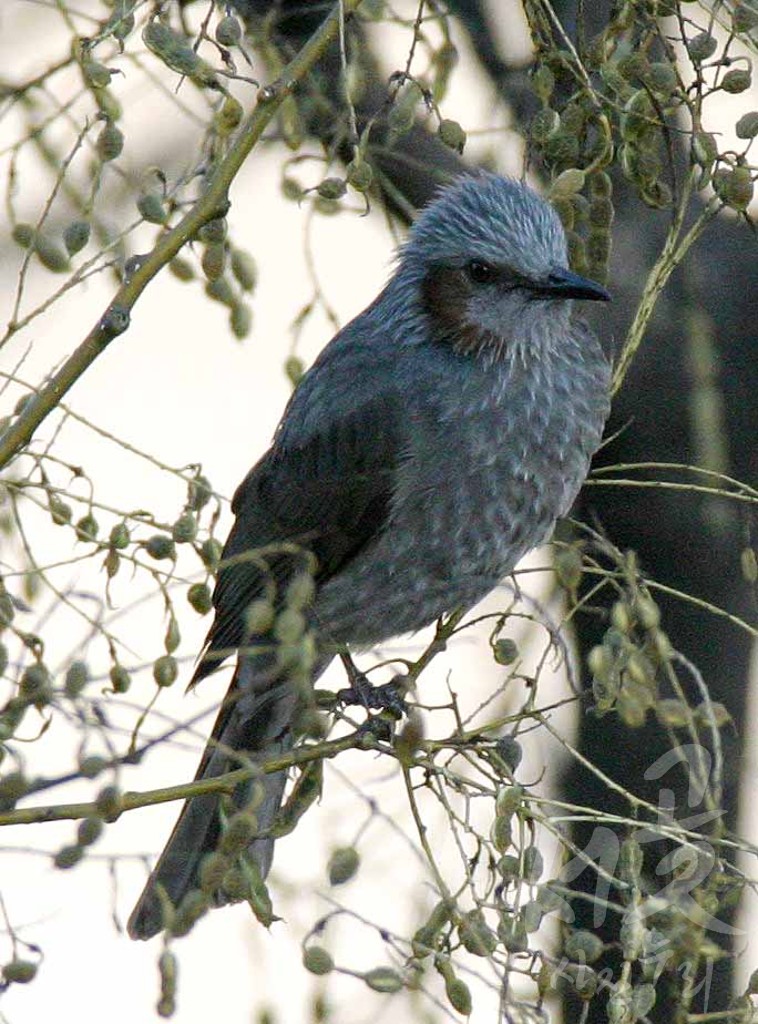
[(362, 693)]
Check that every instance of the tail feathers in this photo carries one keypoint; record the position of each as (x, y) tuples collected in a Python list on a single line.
[(254, 725)]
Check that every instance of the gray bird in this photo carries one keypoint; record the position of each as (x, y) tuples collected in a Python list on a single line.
[(433, 443)]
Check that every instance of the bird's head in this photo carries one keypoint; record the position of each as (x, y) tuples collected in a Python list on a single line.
[(488, 259)]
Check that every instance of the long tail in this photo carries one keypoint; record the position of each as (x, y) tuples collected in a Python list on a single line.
[(252, 723)]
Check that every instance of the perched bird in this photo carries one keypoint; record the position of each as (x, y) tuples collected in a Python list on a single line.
[(432, 444)]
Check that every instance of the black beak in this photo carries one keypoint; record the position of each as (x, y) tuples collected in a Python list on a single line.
[(562, 283)]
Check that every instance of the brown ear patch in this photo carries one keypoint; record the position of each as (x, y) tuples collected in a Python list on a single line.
[(445, 293)]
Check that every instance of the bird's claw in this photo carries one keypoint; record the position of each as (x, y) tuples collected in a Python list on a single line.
[(361, 693)]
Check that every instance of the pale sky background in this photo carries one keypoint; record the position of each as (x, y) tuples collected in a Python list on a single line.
[(178, 386)]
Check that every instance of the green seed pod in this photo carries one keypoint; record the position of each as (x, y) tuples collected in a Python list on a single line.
[(510, 753), (50, 254), (300, 591), (244, 269), (210, 552), (229, 117), (568, 567), (533, 864), (600, 185), (701, 46), (631, 859), (150, 206), (543, 83), (744, 16), (13, 787), (167, 969), (332, 188), (213, 867), (240, 320), (360, 174), (199, 597), (509, 868), (505, 651), (76, 236), (88, 831), (238, 834), (108, 105), (259, 617), (704, 149), (189, 911), (214, 261), (736, 80), (221, 290), (661, 79), (173, 637), (184, 529), (165, 670), (583, 946), (36, 685), (748, 564), (77, 677), (108, 803), (199, 492), (567, 183), (294, 368), (632, 933), (747, 126), (512, 933), (289, 626), (95, 74), (635, 67), (68, 857), (711, 712), (182, 269), (112, 563), (621, 617), (544, 125), (476, 935), (582, 978), (228, 31), (317, 960), (565, 210), (110, 142), (581, 207), (573, 118), (119, 537), (452, 135), (3, 654), (343, 864), (501, 833), (383, 979), (601, 213), (615, 81), (643, 1000), (737, 189), (532, 915), (120, 679), (92, 766), (509, 799), (459, 995), (23, 235), (598, 246), (160, 546), (214, 231), (19, 972), (121, 22), (87, 528), (637, 116), (235, 884), (577, 251)]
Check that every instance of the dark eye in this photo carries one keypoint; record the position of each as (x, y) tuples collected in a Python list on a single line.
[(481, 273)]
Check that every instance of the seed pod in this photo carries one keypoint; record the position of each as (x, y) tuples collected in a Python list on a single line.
[(150, 206), (229, 117), (239, 832), (509, 798), (50, 254), (160, 546), (598, 247), (89, 830), (214, 261), (544, 124), (582, 978), (23, 235), (221, 290), (76, 236), (343, 864), (577, 252), (452, 135), (632, 934), (317, 960), (631, 859), (173, 637), (228, 31), (747, 126), (533, 864), (176, 53), (184, 529), (36, 685), (501, 833), (199, 597), (744, 16), (108, 803), (165, 670), (600, 185), (737, 188), (294, 368), (383, 979), (331, 188), (19, 972), (214, 231), (110, 142), (77, 677), (300, 591), (459, 995), (736, 80), (635, 67), (13, 786), (510, 753), (119, 536), (87, 528), (673, 713), (112, 563), (505, 651), (748, 564), (710, 713), (182, 269), (289, 626), (359, 174), (661, 78), (213, 867), (568, 182), (643, 1000), (240, 320), (512, 933), (583, 946), (68, 857), (210, 552), (120, 679), (92, 766), (199, 493), (95, 74), (701, 46), (532, 915), (543, 83), (244, 269), (190, 910), (476, 935), (167, 968), (601, 213), (565, 210), (259, 617)]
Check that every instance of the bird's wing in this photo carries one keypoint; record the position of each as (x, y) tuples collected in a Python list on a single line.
[(330, 494)]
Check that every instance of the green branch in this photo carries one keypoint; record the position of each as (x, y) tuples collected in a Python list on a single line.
[(212, 204)]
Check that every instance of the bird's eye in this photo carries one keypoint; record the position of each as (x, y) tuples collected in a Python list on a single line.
[(480, 272)]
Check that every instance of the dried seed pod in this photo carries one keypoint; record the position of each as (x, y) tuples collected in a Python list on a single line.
[(110, 142), (452, 135), (244, 269), (317, 960), (343, 865), (165, 670), (199, 597), (150, 206), (76, 236), (710, 713)]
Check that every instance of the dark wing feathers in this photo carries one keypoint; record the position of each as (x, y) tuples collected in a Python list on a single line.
[(330, 494)]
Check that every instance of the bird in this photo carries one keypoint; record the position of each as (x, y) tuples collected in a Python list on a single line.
[(432, 444)]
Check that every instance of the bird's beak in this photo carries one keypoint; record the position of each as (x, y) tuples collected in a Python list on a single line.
[(565, 284)]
